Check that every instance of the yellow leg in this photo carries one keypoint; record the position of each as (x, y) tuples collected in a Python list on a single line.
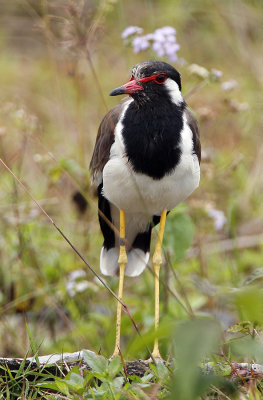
[(122, 264), (157, 261)]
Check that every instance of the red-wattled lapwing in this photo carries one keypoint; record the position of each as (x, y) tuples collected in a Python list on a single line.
[(145, 162)]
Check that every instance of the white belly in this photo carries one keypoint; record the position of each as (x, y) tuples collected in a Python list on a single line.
[(138, 193)]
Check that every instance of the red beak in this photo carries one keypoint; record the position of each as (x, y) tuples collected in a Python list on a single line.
[(128, 88)]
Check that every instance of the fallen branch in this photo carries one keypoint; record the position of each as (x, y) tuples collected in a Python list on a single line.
[(60, 364), (227, 245)]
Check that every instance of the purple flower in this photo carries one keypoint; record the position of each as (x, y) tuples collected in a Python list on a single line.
[(216, 73), (166, 30), (131, 30), (162, 40), (171, 50), (140, 43), (164, 43), (158, 48), (158, 37), (218, 217), (150, 36), (171, 39)]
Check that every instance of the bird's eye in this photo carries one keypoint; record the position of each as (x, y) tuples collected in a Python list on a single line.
[(160, 78)]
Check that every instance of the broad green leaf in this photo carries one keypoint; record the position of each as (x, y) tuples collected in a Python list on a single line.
[(115, 366), (160, 370), (118, 382), (76, 381), (96, 363), (179, 234), (249, 302), (248, 349), (194, 341)]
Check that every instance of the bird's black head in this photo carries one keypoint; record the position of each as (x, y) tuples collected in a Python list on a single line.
[(151, 80)]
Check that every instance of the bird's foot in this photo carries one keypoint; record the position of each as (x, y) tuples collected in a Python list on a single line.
[(155, 357), (155, 360), (114, 355)]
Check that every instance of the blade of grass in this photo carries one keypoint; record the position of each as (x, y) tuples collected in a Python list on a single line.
[(21, 367), (32, 343)]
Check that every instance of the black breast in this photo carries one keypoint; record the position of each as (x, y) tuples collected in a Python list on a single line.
[(152, 138)]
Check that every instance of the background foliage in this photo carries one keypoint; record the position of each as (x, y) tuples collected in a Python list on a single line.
[(59, 60)]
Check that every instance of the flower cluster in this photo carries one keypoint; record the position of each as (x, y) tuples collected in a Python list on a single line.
[(162, 41), (218, 217)]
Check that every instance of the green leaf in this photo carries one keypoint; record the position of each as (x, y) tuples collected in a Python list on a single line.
[(148, 377), (96, 363), (162, 370), (76, 381), (118, 382), (194, 341), (248, 348), (62, 387), (115, 366), (249, 302), (47, 385), (207, 331), (179, 234)]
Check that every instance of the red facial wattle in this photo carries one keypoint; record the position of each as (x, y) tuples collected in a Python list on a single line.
[(155, 78), (134, 84)]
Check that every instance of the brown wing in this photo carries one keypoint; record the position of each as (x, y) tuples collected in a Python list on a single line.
[(196, 135), (105, 139)]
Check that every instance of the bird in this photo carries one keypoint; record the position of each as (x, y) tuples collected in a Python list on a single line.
[(146, 161)]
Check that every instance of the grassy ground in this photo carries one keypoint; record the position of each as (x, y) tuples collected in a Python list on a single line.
[(59, 60)]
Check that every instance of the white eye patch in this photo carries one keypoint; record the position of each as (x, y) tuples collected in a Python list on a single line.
[(174, 91)]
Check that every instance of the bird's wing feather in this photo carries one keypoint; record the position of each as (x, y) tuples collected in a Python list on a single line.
[(196, 135), (105, 139)]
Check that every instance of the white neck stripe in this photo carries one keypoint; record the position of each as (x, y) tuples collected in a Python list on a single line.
[(174, 91)]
